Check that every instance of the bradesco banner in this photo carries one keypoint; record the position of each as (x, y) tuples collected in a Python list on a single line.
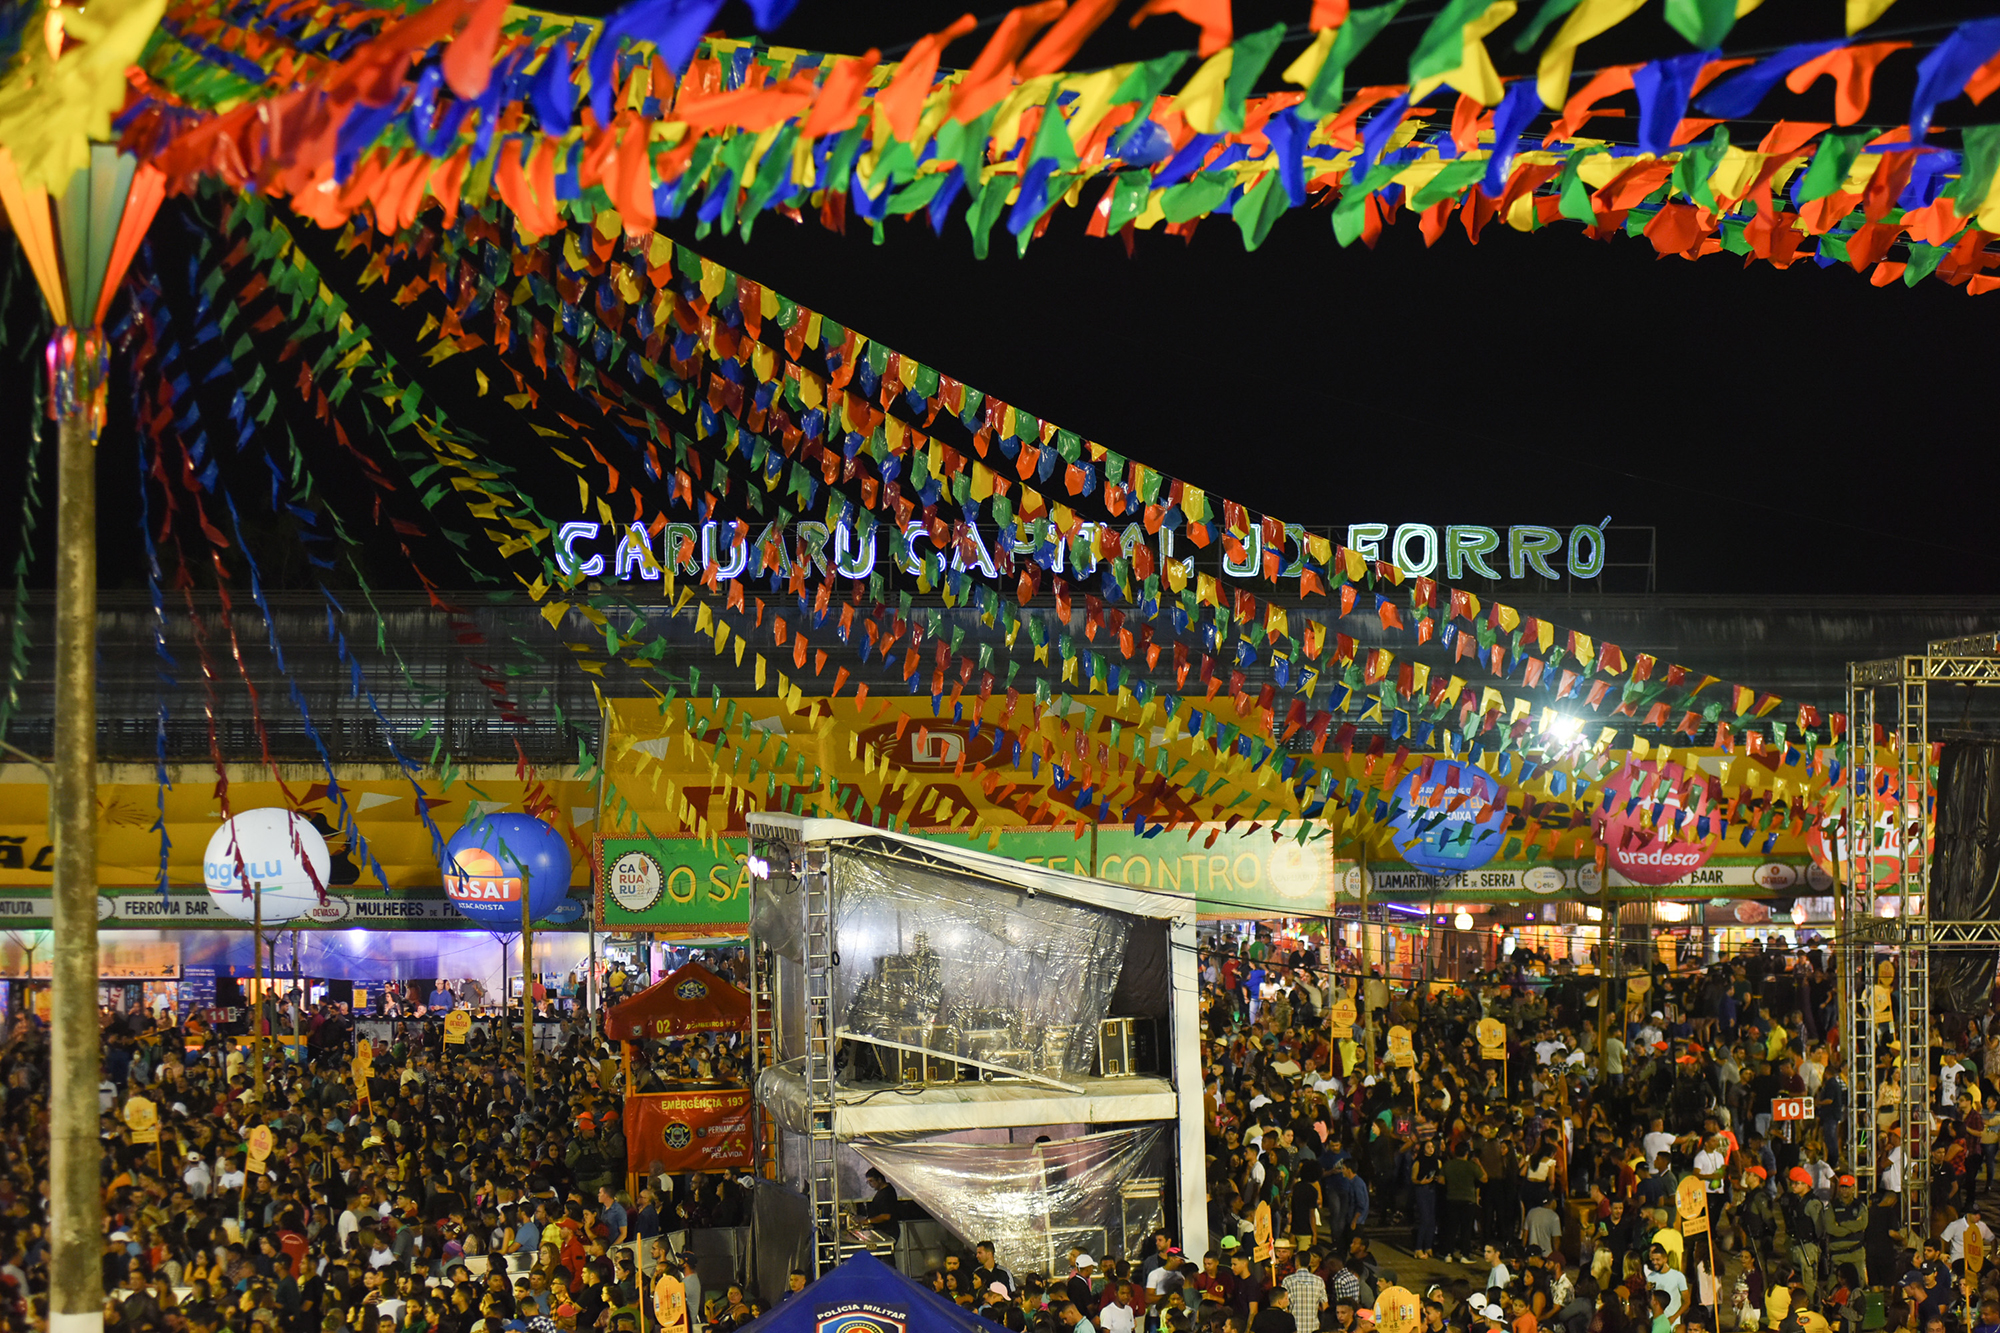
[(694, 1130), (678, 884)]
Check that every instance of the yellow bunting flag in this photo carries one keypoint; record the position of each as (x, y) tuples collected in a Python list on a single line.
[(1587, 20)]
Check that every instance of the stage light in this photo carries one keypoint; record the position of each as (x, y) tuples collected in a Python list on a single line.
[(1463, 921)]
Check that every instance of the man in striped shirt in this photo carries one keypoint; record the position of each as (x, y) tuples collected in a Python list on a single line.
[(1308, 1293)]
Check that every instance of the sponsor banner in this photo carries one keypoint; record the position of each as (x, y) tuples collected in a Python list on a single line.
[(704, 1129), (679, 883), (1741, 876), (1778, 878), (860, 1317), (673, 883), (17, 907), (389, 911), (1495, 880), (1658, 862), (141, 907), (1451, 818), (1240, 873), (173, 909)]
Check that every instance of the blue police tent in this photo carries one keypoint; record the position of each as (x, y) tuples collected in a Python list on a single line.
[(858, 1284)]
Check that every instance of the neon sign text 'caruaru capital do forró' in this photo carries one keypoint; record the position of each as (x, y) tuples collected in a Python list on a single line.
[(596, 550)]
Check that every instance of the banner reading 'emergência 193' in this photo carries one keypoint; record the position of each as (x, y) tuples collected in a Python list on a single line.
[(1454, 551)]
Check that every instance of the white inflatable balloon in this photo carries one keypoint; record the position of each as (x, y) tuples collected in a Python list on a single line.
[(281, 854)]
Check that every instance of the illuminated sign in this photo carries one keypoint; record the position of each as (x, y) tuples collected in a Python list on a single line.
[(1528, 548), (635, 554), (595, 550), (478, 876)]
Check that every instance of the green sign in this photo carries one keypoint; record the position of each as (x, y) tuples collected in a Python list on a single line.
[(1240, 873), (677, 883), (673, 883)]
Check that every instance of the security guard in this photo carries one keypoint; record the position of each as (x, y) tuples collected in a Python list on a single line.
[(1847, 1229), (1805, 1232)]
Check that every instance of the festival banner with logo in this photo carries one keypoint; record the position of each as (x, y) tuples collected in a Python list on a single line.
[(1227, 872), (1645, 805), (673, 884), (705, 1129), (1453, 818), (679, 884)]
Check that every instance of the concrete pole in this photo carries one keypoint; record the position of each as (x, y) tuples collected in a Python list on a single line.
[(76, 1274)]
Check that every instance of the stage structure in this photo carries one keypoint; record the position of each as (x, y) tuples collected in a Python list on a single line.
[(953, 1017), (1889, 858)]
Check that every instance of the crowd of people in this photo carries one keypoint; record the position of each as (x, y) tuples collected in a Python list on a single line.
[(1600, 1172), (1546, 1180), (435, 1195)]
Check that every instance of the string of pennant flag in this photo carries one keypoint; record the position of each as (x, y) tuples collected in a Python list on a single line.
[(509, 171), (1250, 727), (347, 114)]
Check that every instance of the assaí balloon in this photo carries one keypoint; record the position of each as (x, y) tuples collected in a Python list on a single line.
[(492, 861), (272, 854), (1440, 840)]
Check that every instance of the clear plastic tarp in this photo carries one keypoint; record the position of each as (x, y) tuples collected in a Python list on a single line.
[(1103, 1193), (949, 963)]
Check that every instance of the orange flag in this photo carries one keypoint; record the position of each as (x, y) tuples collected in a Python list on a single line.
[(1211, 16), (902, 101), (839, 104), (1853, 71), (992, 74), (1053, 52)]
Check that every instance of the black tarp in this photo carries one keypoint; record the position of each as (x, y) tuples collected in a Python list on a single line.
[(1965, 868)]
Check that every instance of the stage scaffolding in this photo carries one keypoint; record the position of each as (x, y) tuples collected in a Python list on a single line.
[(1887, 1020)]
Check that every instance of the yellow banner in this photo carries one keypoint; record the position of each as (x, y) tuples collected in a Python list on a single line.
[(385, 808)]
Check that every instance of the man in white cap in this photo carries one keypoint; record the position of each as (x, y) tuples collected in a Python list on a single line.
[(1080, 1273)]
